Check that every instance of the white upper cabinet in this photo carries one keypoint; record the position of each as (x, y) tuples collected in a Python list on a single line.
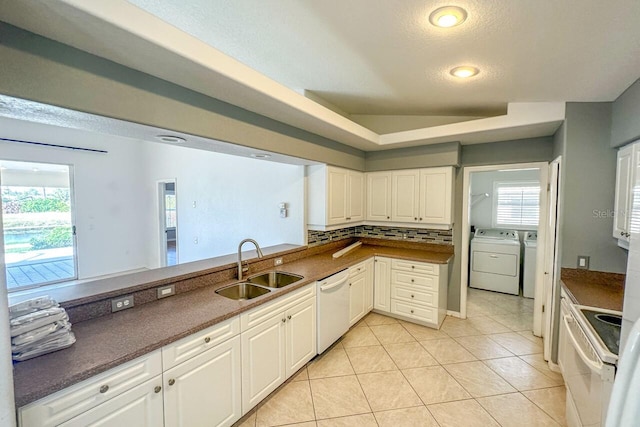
[(436, 189), (335, 196), (355, 196), (379, 196), (405, 192), (624, 193)]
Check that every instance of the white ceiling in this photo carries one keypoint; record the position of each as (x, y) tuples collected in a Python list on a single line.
[(367, 58), (383, 57)]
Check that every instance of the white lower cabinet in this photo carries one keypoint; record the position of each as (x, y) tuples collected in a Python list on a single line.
[(413, 291), (140, 406), (382, 284), (194, 381), (204, 390), (360, 290), (126, 390), (281, 340)]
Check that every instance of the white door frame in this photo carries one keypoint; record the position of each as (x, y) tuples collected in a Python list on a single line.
[(162, 219), (466, 235), (551, 260)]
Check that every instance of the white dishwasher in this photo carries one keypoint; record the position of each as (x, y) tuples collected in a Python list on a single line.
[(333, 309)]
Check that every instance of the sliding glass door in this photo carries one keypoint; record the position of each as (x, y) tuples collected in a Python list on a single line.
[(37, 223)]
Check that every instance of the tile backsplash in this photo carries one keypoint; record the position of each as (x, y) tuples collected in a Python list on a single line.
[(443, 237)]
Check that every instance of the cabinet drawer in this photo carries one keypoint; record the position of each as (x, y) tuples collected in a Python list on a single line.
[(425, 283), (70, 402), (186, 348), (416, 296), (416, 267), (357, 269), (260, 314), (424, 314)]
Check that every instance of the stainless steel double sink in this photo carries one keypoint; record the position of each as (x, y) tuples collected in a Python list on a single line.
[(258, 285)]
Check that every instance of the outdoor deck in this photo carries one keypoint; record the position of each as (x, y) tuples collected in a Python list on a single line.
[(35, 272)]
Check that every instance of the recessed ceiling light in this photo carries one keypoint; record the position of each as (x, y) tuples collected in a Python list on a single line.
[(448, 16), (171, 139), (35, 169), (464, 72), (261, 155)]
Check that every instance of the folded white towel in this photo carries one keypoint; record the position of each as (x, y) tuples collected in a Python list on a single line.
[(31, 305), (46, 346), (40, 333), (35, 320)]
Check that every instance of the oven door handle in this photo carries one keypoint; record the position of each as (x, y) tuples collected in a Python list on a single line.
[(593, 365)]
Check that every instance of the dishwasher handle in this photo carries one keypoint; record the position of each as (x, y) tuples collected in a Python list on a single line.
[(334, 281)]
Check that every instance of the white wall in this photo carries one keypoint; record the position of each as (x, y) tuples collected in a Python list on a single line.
[(111, 227), (235, 198), (482, 182)]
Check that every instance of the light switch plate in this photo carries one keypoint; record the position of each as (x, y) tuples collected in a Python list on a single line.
[(583, 262)]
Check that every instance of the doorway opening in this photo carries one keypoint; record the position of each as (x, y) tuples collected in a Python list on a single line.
[(505, 206), (168, 222), (37, 224)]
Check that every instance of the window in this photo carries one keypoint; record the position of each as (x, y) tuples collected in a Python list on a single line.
[(516, 204)]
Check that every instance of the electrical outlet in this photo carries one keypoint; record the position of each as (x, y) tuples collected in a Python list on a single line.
[(166, 291), (122, 303), (583, 262), (278, 261)]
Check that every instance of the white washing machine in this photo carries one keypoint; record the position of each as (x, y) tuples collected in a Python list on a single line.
[(495, 261), (530, 254)]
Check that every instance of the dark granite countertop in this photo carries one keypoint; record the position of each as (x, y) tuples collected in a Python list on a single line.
[(594, 289), (108, 341)]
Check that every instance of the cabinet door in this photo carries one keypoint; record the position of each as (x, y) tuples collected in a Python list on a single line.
[(140, 406), (368, 293), (357, 298), (379, 196), (355, 211), (382, 284), (204, 389), (624, 174), (301, 335), (405, 193), (263, 360), (435, 195), (337, 189)]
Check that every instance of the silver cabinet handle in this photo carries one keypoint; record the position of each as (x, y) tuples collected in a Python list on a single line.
[(172, 381), (622, 233), (207, 340), (104, 389), (493, 256), (157, 389)]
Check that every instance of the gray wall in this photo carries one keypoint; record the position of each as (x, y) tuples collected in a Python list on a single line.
[(588, 174), (625, 124), (42, 70), (447, 154)]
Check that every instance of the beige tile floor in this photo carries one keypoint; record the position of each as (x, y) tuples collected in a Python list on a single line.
[(486, 370)]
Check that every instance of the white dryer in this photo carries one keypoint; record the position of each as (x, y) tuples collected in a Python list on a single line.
[(495, 261), (530, 255)]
